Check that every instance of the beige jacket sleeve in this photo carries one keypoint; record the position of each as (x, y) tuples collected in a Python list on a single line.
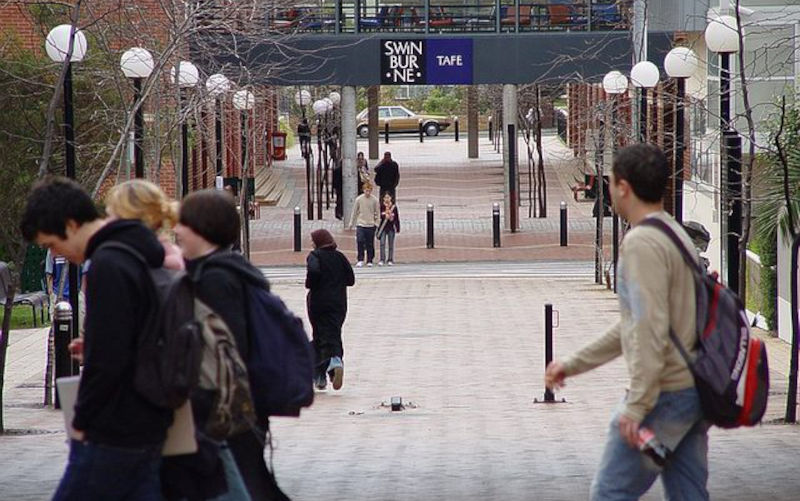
[(376, 212), (354, 214), (603, 349)]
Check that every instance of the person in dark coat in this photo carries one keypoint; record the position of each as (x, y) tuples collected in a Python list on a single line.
[(387, 176), (208, 226), (328, 275)]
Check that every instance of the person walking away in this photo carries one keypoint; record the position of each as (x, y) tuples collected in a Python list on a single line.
[(387, 176), (328, 275), (304, 134), (661, 409), (210, 473), (389, 225), (115, 451), (365, 217), (363, 172), (208, 226)]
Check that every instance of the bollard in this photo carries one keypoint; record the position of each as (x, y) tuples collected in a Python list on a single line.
[(563, 224), (430, 227), (456, 126), (420, 130), (386, 132), (62, 332), (297, 229), (491, 137), (495, 224), (548, 345)]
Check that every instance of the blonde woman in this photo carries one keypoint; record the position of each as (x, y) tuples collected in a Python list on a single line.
[(143, 200)]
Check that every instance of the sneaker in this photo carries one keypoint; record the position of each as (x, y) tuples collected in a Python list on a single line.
[(336, 372), (369, 265), (320, 382), (380, 263), (390, 263), (359, 264)]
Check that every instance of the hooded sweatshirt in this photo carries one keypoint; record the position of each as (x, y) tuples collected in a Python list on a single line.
[(118, 303)]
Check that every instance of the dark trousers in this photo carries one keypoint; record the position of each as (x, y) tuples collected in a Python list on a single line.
[(248, 451), (365, 241), (100, 472), (326, 331)]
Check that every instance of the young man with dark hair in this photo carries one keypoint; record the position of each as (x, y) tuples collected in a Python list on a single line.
[(116, 449), (208, 225), (656, 295)]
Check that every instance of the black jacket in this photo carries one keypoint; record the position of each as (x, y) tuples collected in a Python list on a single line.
[(328, 275), (387, 175), (118, 301), (220, 279)]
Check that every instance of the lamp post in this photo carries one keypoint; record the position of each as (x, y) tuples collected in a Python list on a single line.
[(644, 76), (722, 37), (680, 63), (217, 86), (320, 107), (66, 43), (336, 152), (186, 76), (614, 83), (137, 64), (244, 101), (302, 98)]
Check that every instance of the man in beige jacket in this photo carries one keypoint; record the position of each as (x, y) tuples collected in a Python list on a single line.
[(365, 216), (656, 293)]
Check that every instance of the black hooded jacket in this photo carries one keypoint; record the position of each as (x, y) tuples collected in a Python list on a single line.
[(328, 275), (221, 277), (118, 301)]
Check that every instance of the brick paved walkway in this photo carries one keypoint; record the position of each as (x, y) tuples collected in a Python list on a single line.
[(462, 192), (468, 353)]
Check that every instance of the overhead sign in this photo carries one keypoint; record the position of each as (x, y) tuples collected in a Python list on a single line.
[(426, 62)]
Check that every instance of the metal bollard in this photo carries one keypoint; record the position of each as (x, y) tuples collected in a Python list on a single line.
[(491, 137), (420, 130), (297, 229), (430, 227), (495, 224), (386, 132), (62, 331), (563, 224), (548, 346), (456, 126)]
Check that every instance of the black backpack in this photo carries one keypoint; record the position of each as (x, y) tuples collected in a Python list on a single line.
[(280, 363), (169, 347), (730, 369)]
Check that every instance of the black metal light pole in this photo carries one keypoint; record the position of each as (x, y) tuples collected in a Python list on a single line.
[(184, 145), (138, 130), (217, 85), (679, 147)]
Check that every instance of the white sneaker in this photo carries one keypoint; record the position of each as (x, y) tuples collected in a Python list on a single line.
[(359, 264), (390, 263), (380, 263), (369, 265)]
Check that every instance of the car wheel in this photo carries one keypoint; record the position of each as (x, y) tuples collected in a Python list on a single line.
[(432, 129), (363, 131)]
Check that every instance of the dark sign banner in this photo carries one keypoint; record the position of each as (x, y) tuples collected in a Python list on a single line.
[(420, 62)]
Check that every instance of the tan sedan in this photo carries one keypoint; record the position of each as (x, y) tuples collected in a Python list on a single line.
[(401, 119)]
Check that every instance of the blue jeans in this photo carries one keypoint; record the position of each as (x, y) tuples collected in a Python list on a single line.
[(387, 234), (237, 491), (365, 241), (101, 472), (626, 474)]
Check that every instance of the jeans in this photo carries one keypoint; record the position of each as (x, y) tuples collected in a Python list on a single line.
[(99, 472), (237, 491), (388, 234), (626, 474), (365, 241)]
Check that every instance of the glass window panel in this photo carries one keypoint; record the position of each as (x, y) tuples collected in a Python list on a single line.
[(383, 113), (763, 98), (769, 51)]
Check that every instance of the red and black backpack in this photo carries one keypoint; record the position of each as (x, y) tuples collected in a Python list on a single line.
[(730, 369)]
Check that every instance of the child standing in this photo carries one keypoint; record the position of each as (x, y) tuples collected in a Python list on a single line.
[(390, 224), (366, 216)]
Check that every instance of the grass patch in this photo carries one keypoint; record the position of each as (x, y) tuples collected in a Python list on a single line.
[(21, 317)]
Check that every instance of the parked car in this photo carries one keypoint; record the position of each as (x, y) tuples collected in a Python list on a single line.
[(401, 119)]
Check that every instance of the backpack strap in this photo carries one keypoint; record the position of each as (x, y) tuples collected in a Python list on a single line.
[(690, 261)]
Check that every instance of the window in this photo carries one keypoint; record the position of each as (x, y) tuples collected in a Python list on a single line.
[(383, 112), (400, 113)]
